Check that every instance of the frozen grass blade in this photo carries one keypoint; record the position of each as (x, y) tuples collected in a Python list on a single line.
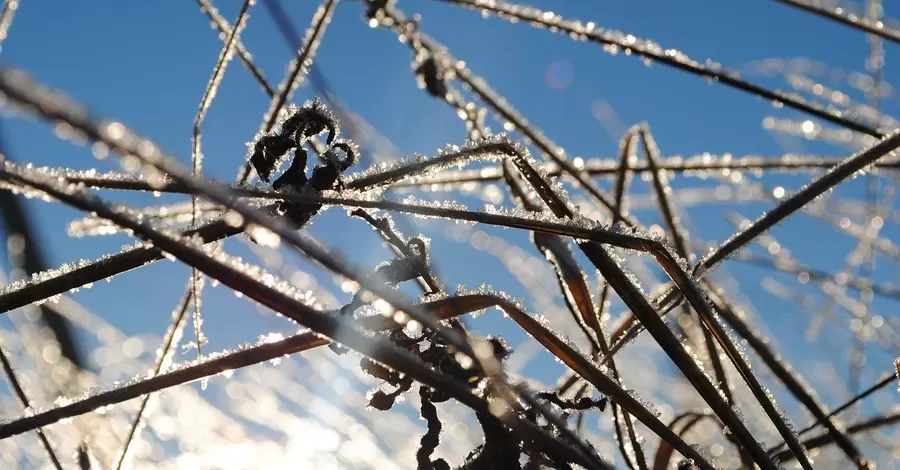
[(851, 229), (387, 15), (50, 284), (172, 215), (20, 232), (197, 158), (625, 171), (789, 378), (625, 287), (653, 52), (825, 420), (816, 275), (678, 236), (850, 167), (669, 213), (624, 175), (583, 366), (208, 366), (576, 293), (572, 280), (682, 166)]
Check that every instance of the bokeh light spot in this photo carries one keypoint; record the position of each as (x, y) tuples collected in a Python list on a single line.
[(560, 74)]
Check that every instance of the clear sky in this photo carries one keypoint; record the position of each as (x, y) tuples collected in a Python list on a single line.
[(147, 64)]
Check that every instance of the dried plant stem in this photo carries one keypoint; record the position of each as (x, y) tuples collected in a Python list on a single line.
[(677, 235), (825, 420), (778, 367), (817, 275), (6, 17), (577, 295), (595, 167), (826, 438), (641, 307), (846, 169), (105, 268), (26, 403), (166, 351), (853, 21), (221, 24), (222, 62), (583, 367), (609, 168), (670, 57), (680, 424)]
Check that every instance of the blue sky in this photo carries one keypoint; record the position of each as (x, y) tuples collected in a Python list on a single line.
[(147, 64)]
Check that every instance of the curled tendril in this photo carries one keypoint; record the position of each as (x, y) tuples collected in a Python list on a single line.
[(339, 155), (346, 147), (328, 175), (307, 122), (419, 248), (310, 121)]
